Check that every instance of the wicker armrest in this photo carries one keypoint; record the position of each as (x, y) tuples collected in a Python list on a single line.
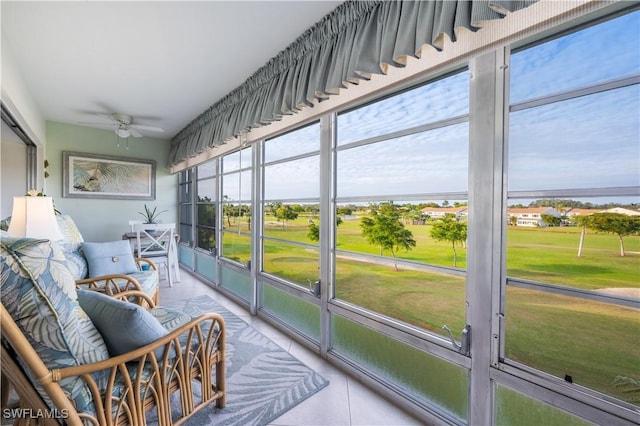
[(191, 352), (110, 284), (142, 260)]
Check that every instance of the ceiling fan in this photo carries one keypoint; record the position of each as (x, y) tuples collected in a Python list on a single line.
[(124, 126)]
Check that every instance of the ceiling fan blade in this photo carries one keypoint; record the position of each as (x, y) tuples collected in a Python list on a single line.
[(109, 117), (149, 128), (93, 123), (134, 132)]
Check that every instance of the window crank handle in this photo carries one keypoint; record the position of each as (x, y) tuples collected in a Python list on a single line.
[(464, 345), (454, 342)]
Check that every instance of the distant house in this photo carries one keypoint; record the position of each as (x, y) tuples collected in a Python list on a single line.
[(530, 216), (571, 213), (624, 211), (436, 213)]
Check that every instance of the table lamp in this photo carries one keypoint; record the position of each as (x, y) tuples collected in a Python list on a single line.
[(34, 217)]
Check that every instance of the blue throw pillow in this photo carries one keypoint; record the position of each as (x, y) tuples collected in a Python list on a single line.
[(124, 326), (113, 257)]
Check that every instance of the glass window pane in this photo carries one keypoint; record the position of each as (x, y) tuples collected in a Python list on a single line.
[(547, 242), (237, 217), (206, 238), (290, 221), (236, 247), (429, 103), (207, 190), (236, 186), (185, 234), (561, 64), (418, 219), (207, 169), (231, 162), (594, 343), (414, 297), (575, 242), (293, 179), (237, 160), (184, 191), (587, 142), (230, 187), (291, 262), (300, 141), (427, 162), (207, 215)]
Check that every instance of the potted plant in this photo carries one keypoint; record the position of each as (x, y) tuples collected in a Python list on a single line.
[(150, 216)]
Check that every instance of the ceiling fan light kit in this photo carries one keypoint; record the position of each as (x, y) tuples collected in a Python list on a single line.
[(124, 126), (122, 132)]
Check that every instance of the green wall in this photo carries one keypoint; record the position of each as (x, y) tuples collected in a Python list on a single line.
[(106, 220)]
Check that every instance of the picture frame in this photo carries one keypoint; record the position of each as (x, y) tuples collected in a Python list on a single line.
[(108, 177)]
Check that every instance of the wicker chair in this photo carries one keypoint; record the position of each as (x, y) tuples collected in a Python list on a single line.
[(56, 360)]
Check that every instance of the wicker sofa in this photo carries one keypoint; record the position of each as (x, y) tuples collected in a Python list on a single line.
[(143, 277), (78, 356)]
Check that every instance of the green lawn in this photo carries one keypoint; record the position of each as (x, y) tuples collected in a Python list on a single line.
[(539, 254)]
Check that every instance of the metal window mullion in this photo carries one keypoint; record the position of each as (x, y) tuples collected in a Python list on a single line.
[(194, 215), (219, 219), (404, 197), (620, 191), (577, 293), (32, 166), (327, 226), (257, 219), (498, 324), (484, 260)]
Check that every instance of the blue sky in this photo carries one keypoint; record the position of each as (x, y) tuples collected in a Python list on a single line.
[(588, 142)]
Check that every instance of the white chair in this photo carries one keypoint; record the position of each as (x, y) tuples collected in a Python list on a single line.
[(132, 223), (157, 241)]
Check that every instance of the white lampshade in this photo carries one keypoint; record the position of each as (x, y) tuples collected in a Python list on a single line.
[(122, 132), (34, 217)]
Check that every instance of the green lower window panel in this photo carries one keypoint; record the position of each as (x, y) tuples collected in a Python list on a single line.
[(514, 408), (185, 257), (302, 315), (429, 378), (206, 266), (237, 282)]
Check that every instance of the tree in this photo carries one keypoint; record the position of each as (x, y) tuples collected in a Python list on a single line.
[(285, 213), (313, 232), (449, 229), (384, 229), (581, 221), (615, 223), (550, 219)]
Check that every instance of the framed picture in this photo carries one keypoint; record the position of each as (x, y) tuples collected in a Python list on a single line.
[(105, 176)]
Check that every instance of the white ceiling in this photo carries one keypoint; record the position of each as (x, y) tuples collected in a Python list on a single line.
[(163, 63)]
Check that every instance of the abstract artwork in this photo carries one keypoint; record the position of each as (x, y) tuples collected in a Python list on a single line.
[(104, 176)]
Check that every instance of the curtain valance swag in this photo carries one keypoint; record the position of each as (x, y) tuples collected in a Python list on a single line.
[(357, 39)]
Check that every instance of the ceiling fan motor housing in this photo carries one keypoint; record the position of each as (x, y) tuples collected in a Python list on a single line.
[(122, 119)]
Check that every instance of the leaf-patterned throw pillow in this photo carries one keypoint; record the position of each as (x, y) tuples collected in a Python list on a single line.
[(38, 291)]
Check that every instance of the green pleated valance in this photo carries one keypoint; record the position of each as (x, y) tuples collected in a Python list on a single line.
[(357, 39)]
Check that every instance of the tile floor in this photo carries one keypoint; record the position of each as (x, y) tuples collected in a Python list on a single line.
[(345, 401)]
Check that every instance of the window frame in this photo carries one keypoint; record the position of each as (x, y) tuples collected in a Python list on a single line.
[(503, 363)]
